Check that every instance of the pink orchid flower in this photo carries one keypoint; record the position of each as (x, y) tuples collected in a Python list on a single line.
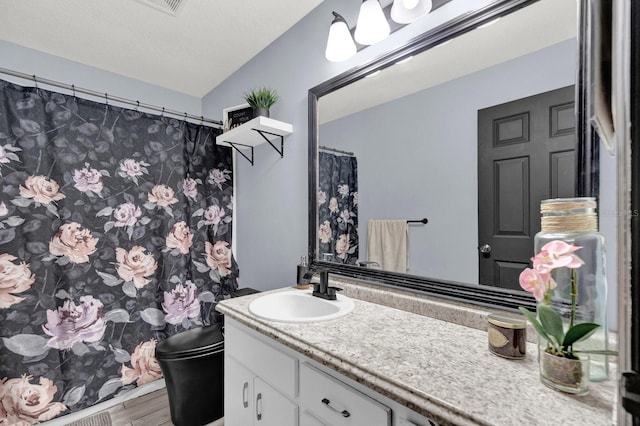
[(557, 254), (536, 282)]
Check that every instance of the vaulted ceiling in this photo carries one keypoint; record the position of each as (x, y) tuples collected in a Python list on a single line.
[(190, 52)]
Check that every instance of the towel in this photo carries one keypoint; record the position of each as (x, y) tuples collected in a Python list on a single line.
[(388, 244)]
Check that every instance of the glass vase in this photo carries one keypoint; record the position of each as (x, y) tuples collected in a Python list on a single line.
[(574, 221), (565, 374)]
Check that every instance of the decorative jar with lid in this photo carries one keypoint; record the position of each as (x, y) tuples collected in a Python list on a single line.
[(575, 221)]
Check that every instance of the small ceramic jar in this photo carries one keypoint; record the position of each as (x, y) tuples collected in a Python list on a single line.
[(507, 336)]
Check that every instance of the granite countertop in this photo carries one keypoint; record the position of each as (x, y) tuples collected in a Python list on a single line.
[(439, 369)]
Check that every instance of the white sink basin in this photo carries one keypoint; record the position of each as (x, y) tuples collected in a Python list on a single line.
[(299, 306)]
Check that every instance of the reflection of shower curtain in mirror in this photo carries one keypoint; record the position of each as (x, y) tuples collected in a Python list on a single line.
[(338, 208)]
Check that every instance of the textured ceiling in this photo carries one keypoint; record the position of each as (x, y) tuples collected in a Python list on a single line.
[(190, 53)]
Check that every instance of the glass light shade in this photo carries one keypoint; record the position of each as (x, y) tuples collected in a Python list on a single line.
[(407, 11), (340, 45), (372, 25)]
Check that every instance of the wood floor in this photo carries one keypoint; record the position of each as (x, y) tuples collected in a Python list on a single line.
[(151, 409)]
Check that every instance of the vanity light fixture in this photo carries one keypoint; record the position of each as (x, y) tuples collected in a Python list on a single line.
[(340, 44), (408, 11), (372, 25)]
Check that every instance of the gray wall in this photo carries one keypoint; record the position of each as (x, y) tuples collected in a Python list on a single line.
[(272, 195), (29, 61), (271, 201), (432, 134)]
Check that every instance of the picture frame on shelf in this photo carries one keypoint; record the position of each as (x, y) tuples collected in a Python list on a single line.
[(236, 115)]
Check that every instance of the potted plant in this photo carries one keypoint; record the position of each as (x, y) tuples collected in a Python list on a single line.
[(562, 367), (261, 100)]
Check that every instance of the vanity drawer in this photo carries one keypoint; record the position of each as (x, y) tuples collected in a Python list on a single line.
[(272, 366), (307, 419), (337, 403)]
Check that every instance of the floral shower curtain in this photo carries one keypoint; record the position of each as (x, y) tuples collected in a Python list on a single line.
[(338, 208), (115, 233)]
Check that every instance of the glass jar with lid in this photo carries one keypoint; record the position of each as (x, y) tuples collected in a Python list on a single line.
[(575, 221)]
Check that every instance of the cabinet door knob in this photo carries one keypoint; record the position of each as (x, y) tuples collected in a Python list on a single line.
[(259, 407), (245, 400), (344, 413)]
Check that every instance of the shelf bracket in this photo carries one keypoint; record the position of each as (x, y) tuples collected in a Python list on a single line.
[(233, 145), (279, 151)]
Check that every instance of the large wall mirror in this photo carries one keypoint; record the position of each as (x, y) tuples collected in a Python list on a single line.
[(482, 123)]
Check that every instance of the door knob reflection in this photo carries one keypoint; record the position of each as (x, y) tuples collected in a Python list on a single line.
[(485, 249)]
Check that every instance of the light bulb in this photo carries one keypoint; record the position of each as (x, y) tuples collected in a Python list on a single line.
[(372, 25), (410, 4), (407, 11), (340, 45)]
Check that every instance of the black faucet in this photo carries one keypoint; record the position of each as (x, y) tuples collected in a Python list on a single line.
[(322, 289)]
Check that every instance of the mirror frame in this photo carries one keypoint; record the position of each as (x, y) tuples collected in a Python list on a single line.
[(587, 154)]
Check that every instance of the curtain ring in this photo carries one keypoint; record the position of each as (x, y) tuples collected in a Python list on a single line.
[(137, 106), (73, 90), (162, 114), (35, 81), (106, 98), (202, 121)]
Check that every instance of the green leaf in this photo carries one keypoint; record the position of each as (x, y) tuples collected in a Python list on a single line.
[(579, 332), (261, 98), (536, 324), (551, 322)]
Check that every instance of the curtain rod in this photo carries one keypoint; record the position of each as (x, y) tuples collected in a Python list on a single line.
[(326, 148), (106, 96)]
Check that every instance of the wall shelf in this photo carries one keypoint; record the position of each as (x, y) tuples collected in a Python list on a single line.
[(255, 132)]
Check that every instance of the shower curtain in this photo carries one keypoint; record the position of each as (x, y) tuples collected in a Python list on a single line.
[(338, 208), (115, 233)]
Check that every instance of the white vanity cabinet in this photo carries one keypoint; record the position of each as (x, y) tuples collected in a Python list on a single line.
[(267, 383), (238, 392), (250, 401), (272, 409), (260, 382), (307, 419)]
